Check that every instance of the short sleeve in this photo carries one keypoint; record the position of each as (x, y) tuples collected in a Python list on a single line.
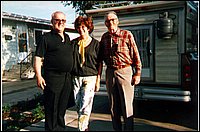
[(41, 47)]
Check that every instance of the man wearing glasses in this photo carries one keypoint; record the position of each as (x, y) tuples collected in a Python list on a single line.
[(119, 52), (54, 53)]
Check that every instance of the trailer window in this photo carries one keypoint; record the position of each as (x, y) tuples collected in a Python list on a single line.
[(143, 42), (143, 35), (191, 37)]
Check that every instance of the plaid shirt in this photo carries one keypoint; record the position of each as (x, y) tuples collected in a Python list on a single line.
[(120, 49)]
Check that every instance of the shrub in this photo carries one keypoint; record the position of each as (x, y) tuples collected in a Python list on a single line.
[(23, 114)]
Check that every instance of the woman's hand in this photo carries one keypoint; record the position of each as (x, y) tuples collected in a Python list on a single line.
[(97, 84)]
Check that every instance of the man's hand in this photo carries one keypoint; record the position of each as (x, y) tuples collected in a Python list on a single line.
[(37, 67), (135, 80), (41, 82)]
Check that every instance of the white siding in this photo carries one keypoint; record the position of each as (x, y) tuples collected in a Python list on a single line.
[(9, 49)]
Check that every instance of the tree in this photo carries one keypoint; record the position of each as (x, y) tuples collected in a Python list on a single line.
[(82, 6)]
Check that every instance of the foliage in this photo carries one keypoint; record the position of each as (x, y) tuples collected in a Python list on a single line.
[(6, 108), (82, 6), (23, 114), (38, 112)]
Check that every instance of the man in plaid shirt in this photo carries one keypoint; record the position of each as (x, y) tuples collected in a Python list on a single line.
[(119, 51)]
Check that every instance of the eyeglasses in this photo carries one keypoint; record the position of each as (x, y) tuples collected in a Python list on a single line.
[(60, 20), (111, 20)]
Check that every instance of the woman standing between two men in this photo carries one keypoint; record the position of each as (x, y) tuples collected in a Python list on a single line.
[(86, 78)]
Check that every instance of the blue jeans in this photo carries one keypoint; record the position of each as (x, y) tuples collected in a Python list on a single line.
[(84, 94)]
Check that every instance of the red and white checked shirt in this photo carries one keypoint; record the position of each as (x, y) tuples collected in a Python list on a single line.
[(120, 49)]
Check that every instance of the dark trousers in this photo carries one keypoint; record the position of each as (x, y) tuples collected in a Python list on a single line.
[(56, 95)]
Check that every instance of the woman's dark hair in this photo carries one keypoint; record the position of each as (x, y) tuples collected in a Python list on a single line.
[(87, 21)]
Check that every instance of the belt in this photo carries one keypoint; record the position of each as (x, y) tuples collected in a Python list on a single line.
[(119, 67)]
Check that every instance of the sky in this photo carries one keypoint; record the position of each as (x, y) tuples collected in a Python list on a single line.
[(38, 9)]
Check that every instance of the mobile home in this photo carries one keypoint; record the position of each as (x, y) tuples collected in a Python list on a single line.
[(166, 33)]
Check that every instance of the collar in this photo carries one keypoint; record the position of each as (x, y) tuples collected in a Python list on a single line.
[(117, 33), (55, 32)]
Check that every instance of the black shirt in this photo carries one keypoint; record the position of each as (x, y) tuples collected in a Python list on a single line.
[(58, 55), (90, 66)]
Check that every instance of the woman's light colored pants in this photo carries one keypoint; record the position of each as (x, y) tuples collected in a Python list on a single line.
[(84, 94)]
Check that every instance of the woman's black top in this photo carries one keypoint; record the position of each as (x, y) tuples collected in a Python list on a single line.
[(90, 66), (58, 55)]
